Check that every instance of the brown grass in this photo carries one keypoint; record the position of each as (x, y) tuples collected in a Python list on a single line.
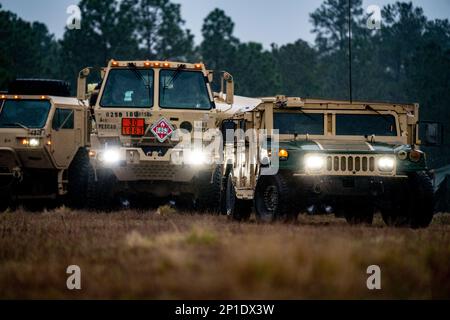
[(171, 255)]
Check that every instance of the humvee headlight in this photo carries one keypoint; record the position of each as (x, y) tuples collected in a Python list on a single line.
[(110, 156), (314, 162), (34, 142), (386, 164)]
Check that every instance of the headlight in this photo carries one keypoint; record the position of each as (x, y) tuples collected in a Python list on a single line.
[(386, 164), (110, 156), (314, 162), (34, 142), (195, 157)]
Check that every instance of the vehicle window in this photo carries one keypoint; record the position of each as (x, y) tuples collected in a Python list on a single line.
[(24, 113), (63, 119), (183, 90), (129, 88), (298, 123), (365, 124)]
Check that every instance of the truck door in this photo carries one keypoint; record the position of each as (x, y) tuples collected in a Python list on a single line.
[(65, 138)]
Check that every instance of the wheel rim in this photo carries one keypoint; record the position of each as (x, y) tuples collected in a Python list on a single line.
[(269, 202)]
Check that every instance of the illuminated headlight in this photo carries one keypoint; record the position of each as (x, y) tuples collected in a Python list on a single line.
[(110, 156), (34, 142), (386, 164), (195, 157), (314, 162)]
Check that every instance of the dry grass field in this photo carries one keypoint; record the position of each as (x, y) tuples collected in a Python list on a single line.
[(163, 254)]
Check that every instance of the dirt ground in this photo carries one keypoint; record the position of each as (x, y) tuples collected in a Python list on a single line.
[(164, 254)]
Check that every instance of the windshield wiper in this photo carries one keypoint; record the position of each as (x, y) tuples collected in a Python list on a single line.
[(139, 75), (173, 78), (16, 124)]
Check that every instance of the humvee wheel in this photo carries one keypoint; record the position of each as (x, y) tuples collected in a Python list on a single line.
[(273, 201), (78, 180), (209, 189), (100, 193), (237, 209), (413, 205), (359, 214)]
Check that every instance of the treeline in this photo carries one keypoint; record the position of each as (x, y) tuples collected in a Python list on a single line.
[(408, 59)]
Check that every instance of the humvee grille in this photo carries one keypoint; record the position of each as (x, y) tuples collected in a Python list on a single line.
[(353, 165)]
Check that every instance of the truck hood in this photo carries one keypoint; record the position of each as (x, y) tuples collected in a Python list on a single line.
[(338, 146)]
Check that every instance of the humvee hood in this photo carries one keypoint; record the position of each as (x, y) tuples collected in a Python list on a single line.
[(340, 146)]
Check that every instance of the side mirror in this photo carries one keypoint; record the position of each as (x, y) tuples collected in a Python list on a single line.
[(430, 133), (81, 83), (228, 78)]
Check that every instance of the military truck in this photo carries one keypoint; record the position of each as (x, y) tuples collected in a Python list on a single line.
[(139, 110), (356, 157), (43, 143)]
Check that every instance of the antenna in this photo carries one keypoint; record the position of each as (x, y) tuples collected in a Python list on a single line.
[(350, 50)]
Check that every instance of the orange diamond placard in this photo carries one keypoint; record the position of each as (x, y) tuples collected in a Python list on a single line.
[(162, 129)]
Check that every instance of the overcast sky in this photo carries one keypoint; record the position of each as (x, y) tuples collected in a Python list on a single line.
[(265, 21)]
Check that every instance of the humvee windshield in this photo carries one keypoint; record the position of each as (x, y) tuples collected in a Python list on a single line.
[(24, 113), (180, 89), (365, 124), (298, 123), (128, 88)]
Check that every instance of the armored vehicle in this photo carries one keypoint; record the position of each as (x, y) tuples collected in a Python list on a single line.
[(143, 111), (43, 143), (355, 157)]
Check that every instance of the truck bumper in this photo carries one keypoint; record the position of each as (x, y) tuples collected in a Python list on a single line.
[(134, 165), (325, 187)]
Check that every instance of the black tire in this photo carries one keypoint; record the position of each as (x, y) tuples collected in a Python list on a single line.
[(413, 204), (359, 214), (209, 191), (78, 180), (237, 209), (100, 192), (273, 200)]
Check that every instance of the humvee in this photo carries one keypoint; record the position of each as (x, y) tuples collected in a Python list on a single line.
[(355, 157), (138, 108), (43, 143)]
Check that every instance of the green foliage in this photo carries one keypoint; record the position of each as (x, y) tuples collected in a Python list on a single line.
[(26, 49)]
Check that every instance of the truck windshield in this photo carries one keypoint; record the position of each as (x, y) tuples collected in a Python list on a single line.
[(128, 88), (24, 113), (181, 89), (298, 123), (365, 124)]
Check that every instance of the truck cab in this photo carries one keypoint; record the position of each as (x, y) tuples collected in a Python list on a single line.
[(143, 110), (43, 143)]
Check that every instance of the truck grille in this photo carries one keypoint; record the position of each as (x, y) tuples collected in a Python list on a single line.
[(364, 165), (154, 171)]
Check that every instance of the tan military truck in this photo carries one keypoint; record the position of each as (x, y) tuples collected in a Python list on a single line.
[(43, 143), (140, 108), (356, 157)]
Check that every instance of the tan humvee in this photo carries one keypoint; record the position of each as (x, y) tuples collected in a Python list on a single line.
[(357, 157), (137, 108), (43, 148)]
